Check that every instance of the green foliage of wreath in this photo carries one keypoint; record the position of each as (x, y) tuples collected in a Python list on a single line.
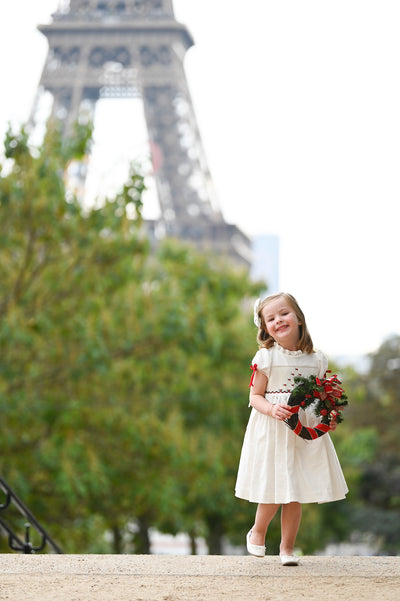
[(325, 395)]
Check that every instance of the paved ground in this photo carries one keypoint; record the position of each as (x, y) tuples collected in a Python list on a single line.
[(196, 578)]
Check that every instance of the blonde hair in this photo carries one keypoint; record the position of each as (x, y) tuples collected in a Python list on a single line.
[(265, 340)]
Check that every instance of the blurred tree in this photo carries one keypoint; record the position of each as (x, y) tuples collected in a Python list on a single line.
[(197, 308), (369, 450), (380, 477), (61, 265), (122, 381)]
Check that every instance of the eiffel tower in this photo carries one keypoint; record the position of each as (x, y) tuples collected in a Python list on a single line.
[(136, 48)]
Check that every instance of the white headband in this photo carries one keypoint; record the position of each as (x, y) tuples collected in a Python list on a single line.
[(257, 319)]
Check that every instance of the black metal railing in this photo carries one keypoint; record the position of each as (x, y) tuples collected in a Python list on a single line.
[(16, 541)]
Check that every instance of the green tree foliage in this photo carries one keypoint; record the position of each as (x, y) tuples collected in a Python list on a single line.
[(380, 477), (369, 448), (122, 371)]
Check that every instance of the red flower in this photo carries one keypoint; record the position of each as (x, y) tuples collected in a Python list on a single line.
[(308, 392)]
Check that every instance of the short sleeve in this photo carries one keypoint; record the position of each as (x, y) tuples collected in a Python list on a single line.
[(263, 360), (322, 364)]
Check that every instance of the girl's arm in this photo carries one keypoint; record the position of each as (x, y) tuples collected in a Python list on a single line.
[(260, 403)]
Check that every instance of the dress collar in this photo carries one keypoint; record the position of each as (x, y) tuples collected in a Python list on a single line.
[(286, 351)]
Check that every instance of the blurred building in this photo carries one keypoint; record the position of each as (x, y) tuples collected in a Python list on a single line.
[(265, 265)]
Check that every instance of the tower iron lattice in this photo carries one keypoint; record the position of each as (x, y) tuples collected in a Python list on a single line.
[(136, 48)]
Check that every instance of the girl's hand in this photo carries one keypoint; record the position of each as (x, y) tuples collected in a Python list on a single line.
[(332, 425), (281, 412)]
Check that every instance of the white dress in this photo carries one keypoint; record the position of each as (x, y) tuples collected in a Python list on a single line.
[(276, 465)]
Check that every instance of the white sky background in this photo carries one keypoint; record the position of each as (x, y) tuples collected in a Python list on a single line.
[(298, 103)]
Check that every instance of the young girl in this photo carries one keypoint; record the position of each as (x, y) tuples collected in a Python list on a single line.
[(277, 467)]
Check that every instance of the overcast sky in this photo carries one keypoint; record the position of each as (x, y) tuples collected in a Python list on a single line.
[(298, 107)]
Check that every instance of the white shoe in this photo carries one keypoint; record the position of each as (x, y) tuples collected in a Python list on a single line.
[(289, 560), (256, 550)]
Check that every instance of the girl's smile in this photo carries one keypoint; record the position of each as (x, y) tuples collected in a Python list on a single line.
[(282, 323)]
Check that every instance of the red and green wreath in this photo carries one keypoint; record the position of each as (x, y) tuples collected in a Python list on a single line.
[(327, 398)]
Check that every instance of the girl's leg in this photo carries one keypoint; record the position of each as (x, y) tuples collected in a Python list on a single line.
[(264, 514), (290, 522)]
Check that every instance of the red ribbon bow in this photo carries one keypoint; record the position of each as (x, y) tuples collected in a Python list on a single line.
[(254, 369)]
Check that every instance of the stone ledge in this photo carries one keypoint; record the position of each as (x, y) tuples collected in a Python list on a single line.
[(195, 578)]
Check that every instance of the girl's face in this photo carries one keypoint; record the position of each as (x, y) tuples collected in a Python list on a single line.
[(282, 323)]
